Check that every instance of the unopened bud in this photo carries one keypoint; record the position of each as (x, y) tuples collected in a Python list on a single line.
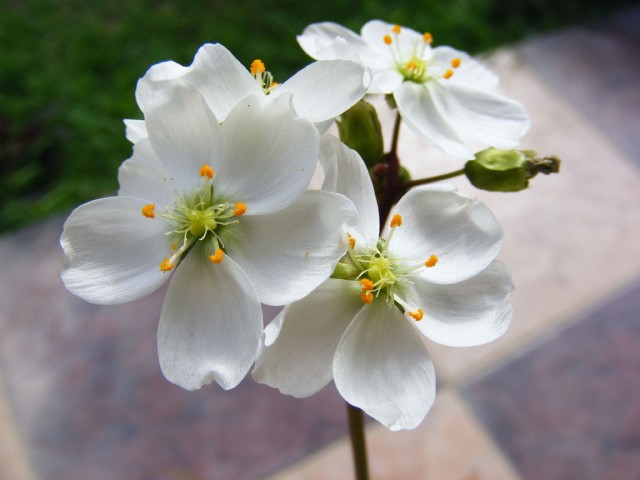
[(360, 130), (507, 170)]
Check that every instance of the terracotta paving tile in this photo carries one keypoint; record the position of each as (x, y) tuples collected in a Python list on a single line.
[(569, 408), (90, 402), (449, 445)]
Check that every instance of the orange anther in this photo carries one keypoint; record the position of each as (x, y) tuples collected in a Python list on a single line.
[(396, 29), (366, 284), (448, 74), (396, 220), (455, 62), (166, 265), (239, 209), (387, 39), (431, 261), (257, 66), (427, 37), (352, 242), (417, 315), (217, 257), (149, 210), (206, 171), (366, 297)]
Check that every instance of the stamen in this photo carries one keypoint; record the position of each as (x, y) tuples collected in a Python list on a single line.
[(366, 284), (149, 210), (217, 257), (166, 265), (417, 315), (173, 247), (206, 171), (387, 39), (431, 261), (427, 37), (239, 209), (257, 67), (411, 65), (455, 63), (448, 74), (352, 242), (396, 29), (366, 297), (396, 220)]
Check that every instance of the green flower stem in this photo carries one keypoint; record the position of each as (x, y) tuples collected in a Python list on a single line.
[(437, 178), (358, 445)]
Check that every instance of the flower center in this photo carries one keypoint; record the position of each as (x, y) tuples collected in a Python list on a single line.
[(198, 217), (416, 64)]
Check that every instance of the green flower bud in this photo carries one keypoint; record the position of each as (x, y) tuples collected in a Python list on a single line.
[(360, 129), (507, 170)]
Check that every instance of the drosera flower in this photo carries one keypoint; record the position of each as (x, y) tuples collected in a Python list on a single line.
[(321, 91), (434, 272), (443, 95), (224, 211)]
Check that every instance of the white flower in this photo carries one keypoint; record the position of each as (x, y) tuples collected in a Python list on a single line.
[(225, 207), (435, 273), (444, 96), (321, 91)]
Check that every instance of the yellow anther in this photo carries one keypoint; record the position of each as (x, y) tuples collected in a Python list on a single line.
[(427, 37), (352, 242), (448, 74), (431, 261), (366, 284), (366, 297), (166, 265), (257, 67), (173, 247), (206, 171), (417, 315), (396, 220), (239, 209), (455, 63), (396, 29), (149, 210), (387, 39), (217, 257), (411, 65)]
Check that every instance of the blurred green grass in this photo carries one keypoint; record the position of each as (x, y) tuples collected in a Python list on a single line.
[(68, 70)]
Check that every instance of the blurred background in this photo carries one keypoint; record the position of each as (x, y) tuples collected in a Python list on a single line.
[(68, 70), (556, 398)]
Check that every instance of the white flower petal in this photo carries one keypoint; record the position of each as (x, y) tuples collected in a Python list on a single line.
[(470, 73), (472, 312), (143, 176), (159, 76), (135, 130), (461, 231), (329, 41), (269, 155), (112, 252), (346, 173), (382, 367), (299, 361), (483, 116), (420, 114), (210, 324), (215, 72), (374, 31), (183, 133), (325, 89), (386, 80), (289, 253)]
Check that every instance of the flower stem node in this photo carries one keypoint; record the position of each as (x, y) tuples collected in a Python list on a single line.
[(359, 129), (507, 170)]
